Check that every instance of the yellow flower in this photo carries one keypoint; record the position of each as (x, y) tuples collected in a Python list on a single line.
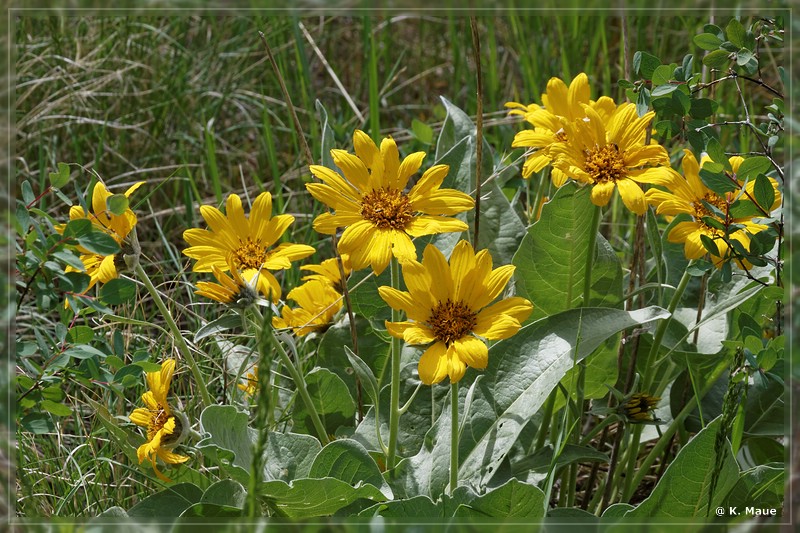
[(328, 272), (240, 289), (250, 386), (247, 243), (446, 305), (639, 407), (559, 102), (101, 268), (686, 196), (164, 429), (371, 202), (612, 154), (318, 302)]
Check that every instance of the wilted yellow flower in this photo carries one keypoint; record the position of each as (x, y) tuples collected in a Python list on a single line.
[(446, 305), (250, 385), (101, 268), (244, 242), (639, 407), (318, 303), (240, 289), (686, 196), (371, 203), (558, 102), (164, 429), (612, 154)]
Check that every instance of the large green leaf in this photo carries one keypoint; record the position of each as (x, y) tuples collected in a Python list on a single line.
[(226, 492), (372, 349), (229, 441), (332, 400), (761, 487), (169, 502), (514, 499), (551, 260), (305, 498), (347, 460), (683, 490), (522, 372), (765, 413), (500, 228), (418, 507)]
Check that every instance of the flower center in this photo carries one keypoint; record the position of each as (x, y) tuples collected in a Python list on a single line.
[(250, 254), (640, 405), (700, 210), (387, 209), (451, 321), (157, 422), (605, 163)]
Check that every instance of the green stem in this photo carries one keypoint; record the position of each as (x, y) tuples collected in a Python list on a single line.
[(662, 329), (394, 407), (301, 387), (453, 437), (547, 416), (677, 423), (176, 334), (649, 376), (587, 277)]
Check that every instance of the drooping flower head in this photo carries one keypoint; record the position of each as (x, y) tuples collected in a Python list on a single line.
[(639, 407), (448, 308), (164, 428), (328, 272), (246, 243), (318, 303), (612, 154), (250, 385), (558, 102), (101, 268), (371, 202), (688, 195), (240, 289)]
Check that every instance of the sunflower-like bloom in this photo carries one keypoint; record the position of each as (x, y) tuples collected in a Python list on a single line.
[(612, 155), (101, 268), (246, 243), (558, 102), (250, 385), (371, 202), (687, 195), (639, 407), (164, 429), (448, 307), (328, 272), (240, 289), (318, 303)]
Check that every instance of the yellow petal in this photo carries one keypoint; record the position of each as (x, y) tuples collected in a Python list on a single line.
[(632, 195), (433, 364), (601, 193), (472, 351)]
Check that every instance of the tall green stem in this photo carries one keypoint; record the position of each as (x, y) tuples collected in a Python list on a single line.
[(662, 329), (394, 408), (649, 376), (176, 333), (677, 422), (453, 437), (592, 239), (301, 387)]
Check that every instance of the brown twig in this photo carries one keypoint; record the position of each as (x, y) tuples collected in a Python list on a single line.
[(476, 48), (310, 160)]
